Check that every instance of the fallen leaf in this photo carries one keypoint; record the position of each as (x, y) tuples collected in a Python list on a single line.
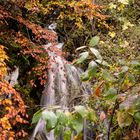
[(102, 116)]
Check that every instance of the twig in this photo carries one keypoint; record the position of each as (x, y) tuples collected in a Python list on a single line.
[(111, 120), (129, 88), (85, 130)]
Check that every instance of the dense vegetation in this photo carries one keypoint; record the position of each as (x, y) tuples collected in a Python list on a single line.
[(102, 37)]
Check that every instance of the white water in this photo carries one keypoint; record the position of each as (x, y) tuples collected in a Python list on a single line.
[(63, 87)]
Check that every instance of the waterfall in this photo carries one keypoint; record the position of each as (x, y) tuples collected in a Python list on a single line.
[(62, 88)]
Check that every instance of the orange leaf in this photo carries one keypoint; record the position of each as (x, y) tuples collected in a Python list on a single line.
[(97, 91)]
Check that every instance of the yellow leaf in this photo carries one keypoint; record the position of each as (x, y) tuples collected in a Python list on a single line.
[(112, 34)]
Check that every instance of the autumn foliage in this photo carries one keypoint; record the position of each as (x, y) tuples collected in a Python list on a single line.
[(19, 27), (13, 113), (3, 57), (32, 39), (24, 32), (13, 109)]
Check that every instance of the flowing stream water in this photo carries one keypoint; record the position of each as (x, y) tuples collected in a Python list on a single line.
[(62, 88)]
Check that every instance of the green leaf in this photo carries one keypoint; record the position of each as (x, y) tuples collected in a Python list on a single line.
[(36, 116), (90, 72), (96, 53), (58, 130), (121, 76), (131, 77), (111, 93), (83, 57), (107, 76), (85, 76), (124, 119), (62, 117), (16, 46), (81, 110), (50, 118), (92, 68), (131, 111), (137, 117), (136, 103), (77, 123), (1, 40), (104, 63), (91, 115), (67, 135), (94, 41)]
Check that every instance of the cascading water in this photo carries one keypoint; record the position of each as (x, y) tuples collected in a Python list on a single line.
[(63, 86)]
